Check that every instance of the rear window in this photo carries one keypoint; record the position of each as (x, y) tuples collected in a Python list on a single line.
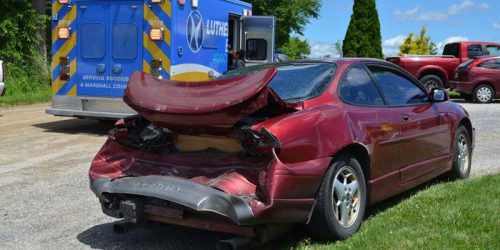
[(125, 41), (451, 49), (93, 41), (294, 81)]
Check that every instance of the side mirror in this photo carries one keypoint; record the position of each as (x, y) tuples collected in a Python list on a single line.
[(439, 95)]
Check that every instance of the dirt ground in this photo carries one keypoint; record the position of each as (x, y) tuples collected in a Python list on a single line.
[(45, 201)]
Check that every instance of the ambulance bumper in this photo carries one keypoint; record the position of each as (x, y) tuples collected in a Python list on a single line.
[(89, 107)]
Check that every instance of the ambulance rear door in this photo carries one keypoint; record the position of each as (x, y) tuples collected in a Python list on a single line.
[(109, 45), (258, 38)]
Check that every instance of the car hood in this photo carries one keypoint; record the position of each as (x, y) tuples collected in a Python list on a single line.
[(210, 104)]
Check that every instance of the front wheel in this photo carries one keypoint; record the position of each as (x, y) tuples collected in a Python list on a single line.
[(462, 154), (341, 201)]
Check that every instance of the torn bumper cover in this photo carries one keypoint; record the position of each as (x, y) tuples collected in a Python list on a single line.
[(181, 191)]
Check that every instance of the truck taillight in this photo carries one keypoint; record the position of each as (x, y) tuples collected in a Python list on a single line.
[(64, 68), (63, 33), (156, 67), (156, 34), (64, 1)]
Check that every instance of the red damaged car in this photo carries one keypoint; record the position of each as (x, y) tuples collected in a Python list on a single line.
[(262, 147)]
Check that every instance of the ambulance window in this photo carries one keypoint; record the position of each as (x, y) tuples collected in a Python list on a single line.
[(256, 49), (93, 40), (125, 41)]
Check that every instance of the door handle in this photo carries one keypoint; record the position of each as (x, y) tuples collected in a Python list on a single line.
[(405, 117), (134, 7)]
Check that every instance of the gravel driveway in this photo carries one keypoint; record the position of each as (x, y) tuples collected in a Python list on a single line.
[(45, 202)]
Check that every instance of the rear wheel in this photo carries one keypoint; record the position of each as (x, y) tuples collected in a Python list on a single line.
[(431, 82), (341, 201), (462, 153), (483, 93)]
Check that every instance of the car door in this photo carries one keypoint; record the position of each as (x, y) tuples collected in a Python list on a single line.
[(372, 122), (424, 130)]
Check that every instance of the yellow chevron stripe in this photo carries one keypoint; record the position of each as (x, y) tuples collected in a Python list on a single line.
[(72, 92), (70, 17), (154, 21), (146, 68), (167, 7), (56, 7), (64, 50), (156, 52), (58, 84)]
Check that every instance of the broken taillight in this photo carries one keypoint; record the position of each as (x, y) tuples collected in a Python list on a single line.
[(260, 143)]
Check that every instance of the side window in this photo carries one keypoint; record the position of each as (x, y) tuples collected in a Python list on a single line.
[(256, 49), (475, 50), (493, 50), (357, 87), (398, 89), (490, 64)]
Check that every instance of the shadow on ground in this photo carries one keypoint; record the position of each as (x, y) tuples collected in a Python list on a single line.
[(300, 233), (77, 126), (167, 237), (174, 237)]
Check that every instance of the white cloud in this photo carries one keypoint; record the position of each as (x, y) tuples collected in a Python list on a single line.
[(408, 14), (496, 25), (453, 10), (322, 49), (391, 45)]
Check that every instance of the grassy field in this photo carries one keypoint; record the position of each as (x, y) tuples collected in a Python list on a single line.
[(24, 88), (454, 215)]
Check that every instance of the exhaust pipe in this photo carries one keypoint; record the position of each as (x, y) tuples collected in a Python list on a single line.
[(264, 234), (123, 228)]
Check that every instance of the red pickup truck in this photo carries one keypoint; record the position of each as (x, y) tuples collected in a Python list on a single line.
[(435, 71)]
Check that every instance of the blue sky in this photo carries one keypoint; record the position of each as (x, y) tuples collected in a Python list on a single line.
[(446, 21)]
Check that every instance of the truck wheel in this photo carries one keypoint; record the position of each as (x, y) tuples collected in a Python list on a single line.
[(341, 201), (431, 82), (483, 93)]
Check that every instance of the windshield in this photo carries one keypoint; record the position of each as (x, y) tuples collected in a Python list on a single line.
[(294, 81)]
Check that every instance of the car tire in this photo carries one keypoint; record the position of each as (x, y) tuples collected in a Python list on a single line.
[(483, 93), (330, 221), (431, 82), (462, 154)]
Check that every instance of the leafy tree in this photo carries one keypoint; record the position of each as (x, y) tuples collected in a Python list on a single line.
[(363, 38), (19, 31), (291, 15), (419, 45), (296, 48), (338, 48)]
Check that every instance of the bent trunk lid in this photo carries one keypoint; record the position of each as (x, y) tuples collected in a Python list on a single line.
[(211, 104)]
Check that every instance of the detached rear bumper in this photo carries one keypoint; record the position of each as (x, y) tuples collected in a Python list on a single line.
[(180, 191)]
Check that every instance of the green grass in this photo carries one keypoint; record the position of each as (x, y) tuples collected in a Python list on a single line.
[(453, 94), (24, 88), (455, 215)]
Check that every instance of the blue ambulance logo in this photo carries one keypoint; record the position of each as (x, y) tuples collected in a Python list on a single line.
[(194, 31)]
